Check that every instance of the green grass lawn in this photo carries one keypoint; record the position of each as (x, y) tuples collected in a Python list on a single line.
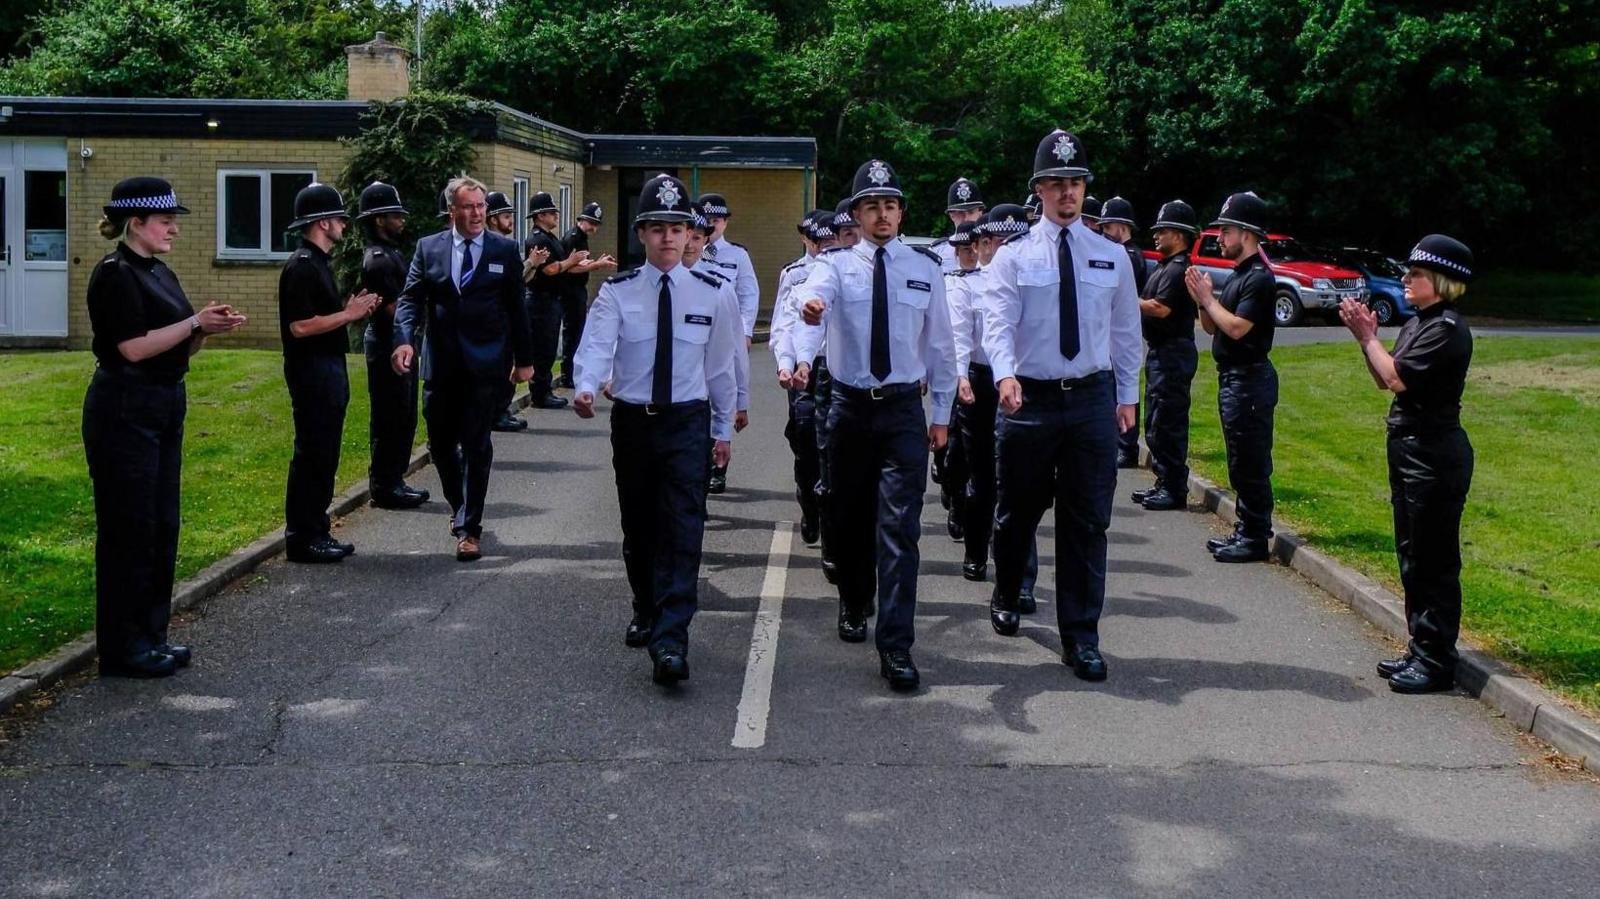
[(1531, 531), (236, 456), (1537, 296)]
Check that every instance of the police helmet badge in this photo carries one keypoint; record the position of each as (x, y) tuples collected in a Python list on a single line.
[(963, 190), (668, 195), (1065, 150), (878, 173)]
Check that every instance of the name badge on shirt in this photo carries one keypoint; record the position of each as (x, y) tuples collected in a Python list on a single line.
[(697, 320), (496, 268), (1102, 263), (920, 285)]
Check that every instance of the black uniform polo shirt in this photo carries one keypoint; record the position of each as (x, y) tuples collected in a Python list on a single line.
[(383, 272), (124, 305), (306, 289), (576, 239), (1248, 294), (542, 284), (1431, 356), (1166, 287)]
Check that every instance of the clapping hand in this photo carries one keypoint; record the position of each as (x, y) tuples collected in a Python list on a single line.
[(360, 305), (217, 318), (1361, 320), (1200, 286)]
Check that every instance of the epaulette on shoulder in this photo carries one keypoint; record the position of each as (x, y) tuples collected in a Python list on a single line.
[(790, 267), (1451, 317), (930, 254), (714, 281), (941, 241), (109, 258), (834, 250), (739, 245), (620, 277), (962, 273)]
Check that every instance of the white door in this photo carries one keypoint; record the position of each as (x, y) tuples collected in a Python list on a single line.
[(33, 226)]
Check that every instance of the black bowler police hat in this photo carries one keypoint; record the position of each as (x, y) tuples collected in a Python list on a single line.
[(962, 195), (810, 219), (541, 202), (498, 202), (591, 213), (378, 198), (875, 178), (144, 195), (1445, 255), (1177, 215), (821, 224), (964, 234), (1034, 205), (1117, 210), (1091, 208), (714, 206), (665, 199), (317, 201), (1060, 155), (1007, 218), (1244, 210), (842, 217)]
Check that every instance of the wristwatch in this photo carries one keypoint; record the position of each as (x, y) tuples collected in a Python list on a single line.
[(194, 323)]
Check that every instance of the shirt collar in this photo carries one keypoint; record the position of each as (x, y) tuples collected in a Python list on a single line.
[(1248, 261), (1434, 310), (653, 274), (315, 250), (1049, 230), (148, 263), (869, 250), (457, 238)]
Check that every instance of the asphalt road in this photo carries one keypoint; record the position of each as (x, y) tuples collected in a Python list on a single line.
[(403, 725)]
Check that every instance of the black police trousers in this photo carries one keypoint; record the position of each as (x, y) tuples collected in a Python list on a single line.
[(574, 314), (1429, 475), (801, 432), (821, 386), (393, 429), (1168, 374), (133, 438), (544, 318), (1247, 395), (662, 459), (950, 469), (460, 412), (878, 463), (319, 392), (1062, 443), (977, 424)]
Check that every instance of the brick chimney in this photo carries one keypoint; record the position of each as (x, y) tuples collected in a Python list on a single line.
[(378, 70)]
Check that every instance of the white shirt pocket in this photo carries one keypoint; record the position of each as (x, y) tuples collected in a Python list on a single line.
[(636, 324)]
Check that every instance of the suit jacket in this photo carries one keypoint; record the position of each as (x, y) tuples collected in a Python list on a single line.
[(476, 334)]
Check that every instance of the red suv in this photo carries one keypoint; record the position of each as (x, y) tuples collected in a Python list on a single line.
[(1305, 281)]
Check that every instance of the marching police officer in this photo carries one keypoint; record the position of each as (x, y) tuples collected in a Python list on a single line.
[(667, 338), (1116, 225), (819, 382), (952, 471), (1241, 325), (1168, 315), (695, 241), (816, 232), (963, 203), (501, 218), (1032, 205), (1430, 458), (312, 321), (145, 331), (887, 329), (392, 397), (734, 261), (1062, 335), (575, 286)]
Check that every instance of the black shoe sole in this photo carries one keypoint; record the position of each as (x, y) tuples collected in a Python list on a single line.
[(853, 636), (976, 577), (1430, 687), (1026, 606), (136, 673), (1093, 677), (1165, 507), (668, 678)]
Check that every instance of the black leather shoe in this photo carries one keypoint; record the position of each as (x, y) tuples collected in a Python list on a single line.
[(1127, 460), (718, 482), (1162, 500), (1415, 678), (975, 571), (1026, 604), (348, 549), (401, 497), (830, 571), (810, 530), (318, 553), (180, 653), (952, 523), (1003, 616), (509, 422), (550, 402), (898, 669), (151, 663), (1390, 667), (564, 382), (1139, 495), (1245, 549), (1086, 662), (638, 633), (1216, 543), (852, 625), (671, 666)]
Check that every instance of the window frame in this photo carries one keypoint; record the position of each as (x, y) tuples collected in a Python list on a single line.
[(564, 202), (263, 175), (521, 190)]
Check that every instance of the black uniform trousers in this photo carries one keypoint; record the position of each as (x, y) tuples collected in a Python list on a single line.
[(821, 384), (950, 468), (1168, 373), (544, 318), (461, 411), (977, 425), (801, 432), (133, 438), (574, 314), (319, 392), (1247, 396), (1429, 475), (878, 463), (393, 400), (1062, 443), (662, 459)]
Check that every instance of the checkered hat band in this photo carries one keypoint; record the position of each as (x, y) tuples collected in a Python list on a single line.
[(714, 210), (165, 201), (821, 231), (1005, 226), (1420, 255)]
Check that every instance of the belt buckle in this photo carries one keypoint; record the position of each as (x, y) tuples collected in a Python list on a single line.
[(652, 409), (875, 392), (1068, 383)]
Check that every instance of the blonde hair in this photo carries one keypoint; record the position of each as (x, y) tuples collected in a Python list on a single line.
[(1448, 288), (114, 228), (461, 183)]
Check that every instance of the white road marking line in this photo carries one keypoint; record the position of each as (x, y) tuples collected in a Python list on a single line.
[(750, 732)]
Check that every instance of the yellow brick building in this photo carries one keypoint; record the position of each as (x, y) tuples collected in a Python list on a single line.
[(237, 164)]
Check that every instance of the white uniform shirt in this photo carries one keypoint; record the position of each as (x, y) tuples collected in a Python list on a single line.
[(920, 343), (785, 320), (734, 263), (947, 257), (741, 370), (1021, 305), (619, 341), (962, 290)]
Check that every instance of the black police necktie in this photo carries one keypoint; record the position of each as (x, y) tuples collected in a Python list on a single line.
[(880, 319), (661, 378), (466, 265), (1069, 298)]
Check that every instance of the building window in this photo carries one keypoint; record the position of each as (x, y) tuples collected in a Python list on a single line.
[(565, 202), (519, 199), (44, 217), (256, 208)]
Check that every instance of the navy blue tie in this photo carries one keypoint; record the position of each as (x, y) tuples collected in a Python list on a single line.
[(1068, 298), (880, 320), (466, 265), (661, 374)]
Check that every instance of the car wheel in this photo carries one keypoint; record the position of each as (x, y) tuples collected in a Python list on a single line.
[(1384, 308), (1286, 308)]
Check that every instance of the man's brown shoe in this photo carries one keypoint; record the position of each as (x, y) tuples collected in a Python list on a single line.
[(467, 549)]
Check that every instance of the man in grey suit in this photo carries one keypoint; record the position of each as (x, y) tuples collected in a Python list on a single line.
[(463, 296)]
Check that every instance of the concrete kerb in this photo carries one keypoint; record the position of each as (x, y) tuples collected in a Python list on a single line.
[(1526, 704)]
